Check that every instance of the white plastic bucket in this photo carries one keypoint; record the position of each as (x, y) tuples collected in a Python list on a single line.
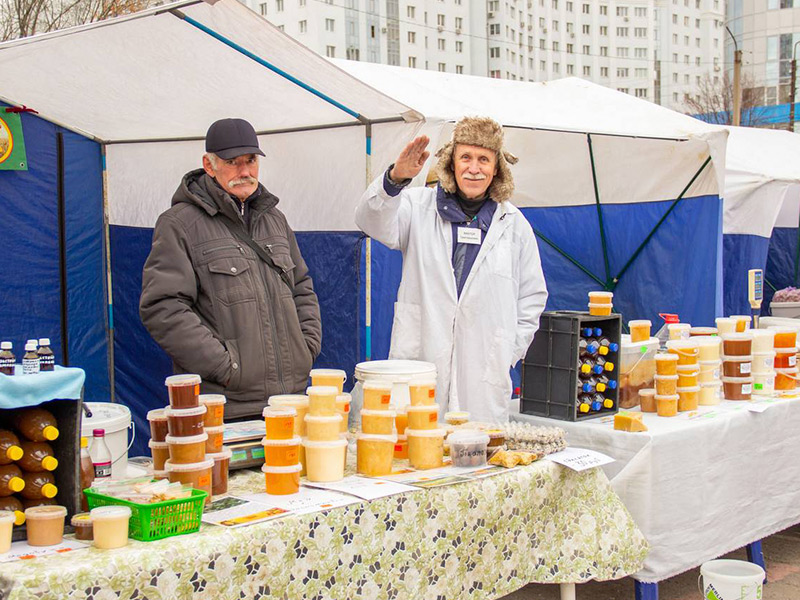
[(726, 579), (396, 372), (116, 420)]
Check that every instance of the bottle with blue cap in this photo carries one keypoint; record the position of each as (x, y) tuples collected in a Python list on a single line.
[(612, 346), (588, 348)]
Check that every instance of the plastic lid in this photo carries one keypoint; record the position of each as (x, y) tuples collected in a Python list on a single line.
[(189, 439), (640, 323), (49, 490), (647, 392), (402, 438), (781, 350), (374, 437), (688, 390), (344, 397), (46, 512), (736, 359), (670, 397), (737, 335), (708, 340), (702, 330), (322, 390), (182, 380), (213, 430), (324, 444), (30, 346), (7, 516), (768, 353), (282, 470), (688, 369), (295, 441), (377, 385), (747, 318), (426, 433), (44, 341), (6, 345), (212, 399), (791, 371), (602, 294), (226, 453), (198, 466), (50, 433), (49, 463), (329, 419), (81, 520), (711, 384), (14, 453), (682, 344), (379, 413), (763, 333), (678, 326), (102, 513), (276, 412), (456, 414), (468, 436), (667, 357), (424, 408), (596, 305), (16, 484), (160, 445), (422, 380), (296, 400), (709, 363), (158, 414), (328, 372), (737, 379), (666, 377), (185, 412)]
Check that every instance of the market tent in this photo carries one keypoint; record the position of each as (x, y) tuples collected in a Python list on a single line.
[(623, 194), (132, 99), (762, 206)]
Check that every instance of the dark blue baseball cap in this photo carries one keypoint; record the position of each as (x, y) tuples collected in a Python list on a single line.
[(229, 138)]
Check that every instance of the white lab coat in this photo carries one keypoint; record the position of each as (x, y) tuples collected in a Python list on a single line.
[(474, 339)]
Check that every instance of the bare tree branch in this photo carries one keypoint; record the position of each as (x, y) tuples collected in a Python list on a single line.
[(713, 101)]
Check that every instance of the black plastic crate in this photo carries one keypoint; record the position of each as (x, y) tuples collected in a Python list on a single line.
[(549, 386)]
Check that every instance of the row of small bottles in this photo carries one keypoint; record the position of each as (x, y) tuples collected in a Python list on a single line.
[(38, 357), (596, 352)]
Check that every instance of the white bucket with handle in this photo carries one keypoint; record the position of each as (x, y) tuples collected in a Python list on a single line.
[(725, 579)]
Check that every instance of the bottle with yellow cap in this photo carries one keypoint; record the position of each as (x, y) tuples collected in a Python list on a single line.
[(37, 457), (10, 450), (12, 504), (11, 480), (39, 485), (36, 424)]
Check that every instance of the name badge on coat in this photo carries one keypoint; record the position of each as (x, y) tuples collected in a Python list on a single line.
[(469, 235)]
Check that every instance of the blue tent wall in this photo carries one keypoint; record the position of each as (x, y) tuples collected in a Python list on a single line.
[(678, 271), (141, 365), (780, 263), (741, 253), (30, 284)]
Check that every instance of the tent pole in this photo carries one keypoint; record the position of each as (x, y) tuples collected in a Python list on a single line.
[(62, 250), (563, 253), (368, 257), (599, 211), (109, 294)]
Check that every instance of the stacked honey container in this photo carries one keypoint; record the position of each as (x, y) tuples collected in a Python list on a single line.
[(763, 365), (677, 383), (425, 438), (282, 465), (785, 343), (737, 360), (709, 369), (376, 442)]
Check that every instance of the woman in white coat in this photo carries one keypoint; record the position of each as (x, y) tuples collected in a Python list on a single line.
[(472, 288)]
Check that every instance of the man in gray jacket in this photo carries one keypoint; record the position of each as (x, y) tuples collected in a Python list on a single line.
[(225, 291)]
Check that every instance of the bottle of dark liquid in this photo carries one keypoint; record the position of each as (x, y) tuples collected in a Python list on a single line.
[(612, 346), (36, 424), (39, 485), (7, 358), (10, 449), (87, 471), (37, 457), (30, 361), (588, 348), (12, 504), (47, 360), (11, 480)]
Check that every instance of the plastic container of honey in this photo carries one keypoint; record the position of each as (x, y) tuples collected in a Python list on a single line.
[(709, 393), (666, 385), (322, 400), (708, 348), (709, 371), (647, 400), (666, 363), (219, 472), (687, 350), (215, 439), (702, 331), (82, 523), (737, 344), (279, 421), (725, 325), (785, 379), (737, 388), (679, 331), (737, 366), (184, 390), (378, 422), (600, 310), (667, 406), (328, 377), (110, 526), (763, 362), (45, 525), (742, 322), (299, 402), (185, 422), (374, 454), (785, 337), (456, 417), (343, 408), (688, 378), (764, 383), (215, 409), (377, 395), (640, 330), (401, 447), (785, 360), (688, 397), (468, 447), (160, 454), (763, 340), (7, 520), (423, 417), (601, 297), (158, 425), (198, 475), (401, 421), (320, 429), (281, 453), (422, 391), (187, 450), (325, 460), (160, 474), (282, 481), (425, 448)]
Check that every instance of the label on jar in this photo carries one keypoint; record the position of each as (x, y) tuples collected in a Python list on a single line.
[(716, 373), (346, 408), (386, 398), (7, 365), (770, 362), (47, 362), (102, 470), (291, 455), (745, 368), (747, 389), (30, 366), (433, 417), (204, 481), (431, 393), (793, 360), (218, 412)]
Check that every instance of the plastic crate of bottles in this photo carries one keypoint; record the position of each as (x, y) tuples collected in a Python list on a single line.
[(571, 370)]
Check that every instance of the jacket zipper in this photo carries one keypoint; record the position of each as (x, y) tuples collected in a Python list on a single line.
[(210, 250)]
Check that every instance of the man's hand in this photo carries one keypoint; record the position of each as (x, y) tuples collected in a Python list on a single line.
[(411, 160)]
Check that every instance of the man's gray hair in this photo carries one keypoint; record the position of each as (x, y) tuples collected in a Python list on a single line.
[(213, 159)]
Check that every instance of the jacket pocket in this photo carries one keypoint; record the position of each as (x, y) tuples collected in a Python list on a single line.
[(234, 381), (247, 381), (406, 331), (232, 280), (498, 360)]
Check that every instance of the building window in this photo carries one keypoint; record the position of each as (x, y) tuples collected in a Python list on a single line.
[(494, 52), (622, 11), (542, 45), (442, 67), (587, 50), (674, 19), (603, 71), (303, 26), (263, 7), (412, 61), (556, 68), (459, 47), (555, 46), (641, 92), (330, 51), (586, 29), (640, 73), (587, 71), (622, 52), (494, 29), (622, 72), (640, 52), (697, 60), (686, 79), (494, 5), (586, 9), (410, 10), (279, 5), (459, 22), (494, 74), (569, 49), (352, 54), (623, 90), (460, 69), (686, 40), (640, 11), (569, 6), (674, 78), (555, 4), (674, 96), (440, 20), (570, 69), (603, 30), (622, 32), (603, 50), (555, 25), (604, 10), (685, 21), (440, 44), (640, 32), (329, 24), (412, 37)]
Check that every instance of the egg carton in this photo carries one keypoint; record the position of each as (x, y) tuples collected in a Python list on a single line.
[(541, 440)]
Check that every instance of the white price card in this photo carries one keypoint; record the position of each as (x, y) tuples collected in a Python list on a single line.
[(580, 459), (759, 406), (306, 500), (363, 487), (23, 551)]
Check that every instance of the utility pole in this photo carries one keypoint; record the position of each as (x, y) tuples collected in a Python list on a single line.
[(793, 88), (737, 81)]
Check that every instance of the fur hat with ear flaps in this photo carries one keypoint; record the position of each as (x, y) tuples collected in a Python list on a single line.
[(486, 133)]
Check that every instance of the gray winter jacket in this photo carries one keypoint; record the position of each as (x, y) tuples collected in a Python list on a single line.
[(217, 309)]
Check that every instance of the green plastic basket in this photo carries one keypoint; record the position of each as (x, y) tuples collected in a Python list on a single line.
[(158, 520)]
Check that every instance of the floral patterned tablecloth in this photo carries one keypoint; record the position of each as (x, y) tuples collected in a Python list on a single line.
[(481, 539)]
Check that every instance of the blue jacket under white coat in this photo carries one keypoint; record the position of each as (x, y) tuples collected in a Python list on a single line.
[(474, 340)]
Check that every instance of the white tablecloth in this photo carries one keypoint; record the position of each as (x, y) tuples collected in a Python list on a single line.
[(703, 485)]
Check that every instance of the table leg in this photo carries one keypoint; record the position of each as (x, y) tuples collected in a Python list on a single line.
[(646, 591), (756, 556), (567, 591)]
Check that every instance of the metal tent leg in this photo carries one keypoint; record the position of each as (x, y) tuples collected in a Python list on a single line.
[(567, 591), (756, 556), (646, 591)]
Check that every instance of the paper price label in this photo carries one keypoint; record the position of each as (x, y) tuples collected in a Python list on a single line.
[(580, 459), (747, 388), (745, 368), (793, 360)]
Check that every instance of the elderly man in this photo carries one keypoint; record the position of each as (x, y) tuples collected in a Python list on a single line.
[(225, 291), (472, 289)]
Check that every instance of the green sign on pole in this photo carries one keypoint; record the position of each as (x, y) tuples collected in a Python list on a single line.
[(12, 143)]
